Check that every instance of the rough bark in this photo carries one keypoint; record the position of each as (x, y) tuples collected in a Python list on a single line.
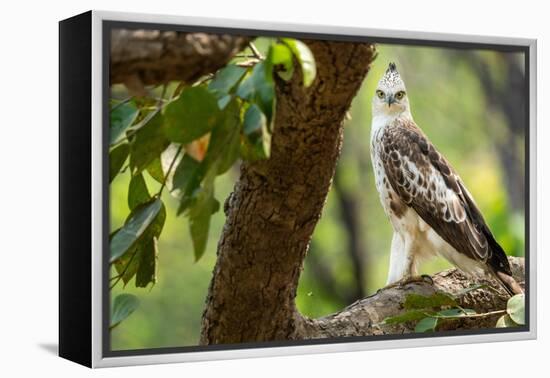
[(363, 317), (277, 202), (151, 57)]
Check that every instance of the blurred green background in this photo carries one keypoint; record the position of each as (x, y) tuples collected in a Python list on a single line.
[(470, 103)]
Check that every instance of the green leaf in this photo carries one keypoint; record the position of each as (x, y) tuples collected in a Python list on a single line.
[(407, 316), (191, 116), (231, 152), (147, 270), (199, 223), (117, 157), (189, 190), (282, 60), (148, 144), (258, 88), (252, 84), (417, 301), (155, 229), (222, 152), (136, 225), (305, 58), (224, 145), (257, 142), (140, 261), (199, 226), (127, 265), (137, 192), (155, 170), (123, 306), (254, 123), (122, 116), (113, 233), (223, 101), (187, 201), (426, 325), (130, 263), (227, 78), (516, 308), (185, 174), (200, 206), (505, 321)]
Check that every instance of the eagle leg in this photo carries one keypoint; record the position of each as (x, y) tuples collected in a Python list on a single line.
[(402, 258)]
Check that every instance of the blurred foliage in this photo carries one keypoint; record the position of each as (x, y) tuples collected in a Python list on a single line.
[(448, 102)]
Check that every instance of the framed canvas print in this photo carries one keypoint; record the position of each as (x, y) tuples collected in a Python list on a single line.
[(232, 189)]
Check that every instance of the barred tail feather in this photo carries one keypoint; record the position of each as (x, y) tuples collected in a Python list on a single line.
[(509, 284), (500, 266)]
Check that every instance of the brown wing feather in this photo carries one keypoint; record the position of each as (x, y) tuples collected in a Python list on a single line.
[(426, 182)]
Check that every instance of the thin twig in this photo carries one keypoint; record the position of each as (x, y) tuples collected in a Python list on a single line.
[(178, 89), (245, 56), (204, 79), (122, 102), (255, 51), (483, 315), (248, 63)]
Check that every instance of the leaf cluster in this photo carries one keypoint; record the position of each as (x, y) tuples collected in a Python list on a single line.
[(183, 141), (430, 311)]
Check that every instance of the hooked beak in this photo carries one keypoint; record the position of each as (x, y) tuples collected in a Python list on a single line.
[(390, 100)]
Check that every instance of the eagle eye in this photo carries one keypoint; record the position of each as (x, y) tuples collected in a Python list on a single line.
[(399, 95), (379, 93)]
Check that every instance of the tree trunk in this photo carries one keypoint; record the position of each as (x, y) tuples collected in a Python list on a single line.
[(277, 202), (152, 57)]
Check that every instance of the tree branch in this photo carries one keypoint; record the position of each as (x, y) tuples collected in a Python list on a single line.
[(153, 57), (363, 317)]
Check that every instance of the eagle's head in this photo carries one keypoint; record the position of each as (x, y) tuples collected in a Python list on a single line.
[(390, 97)]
